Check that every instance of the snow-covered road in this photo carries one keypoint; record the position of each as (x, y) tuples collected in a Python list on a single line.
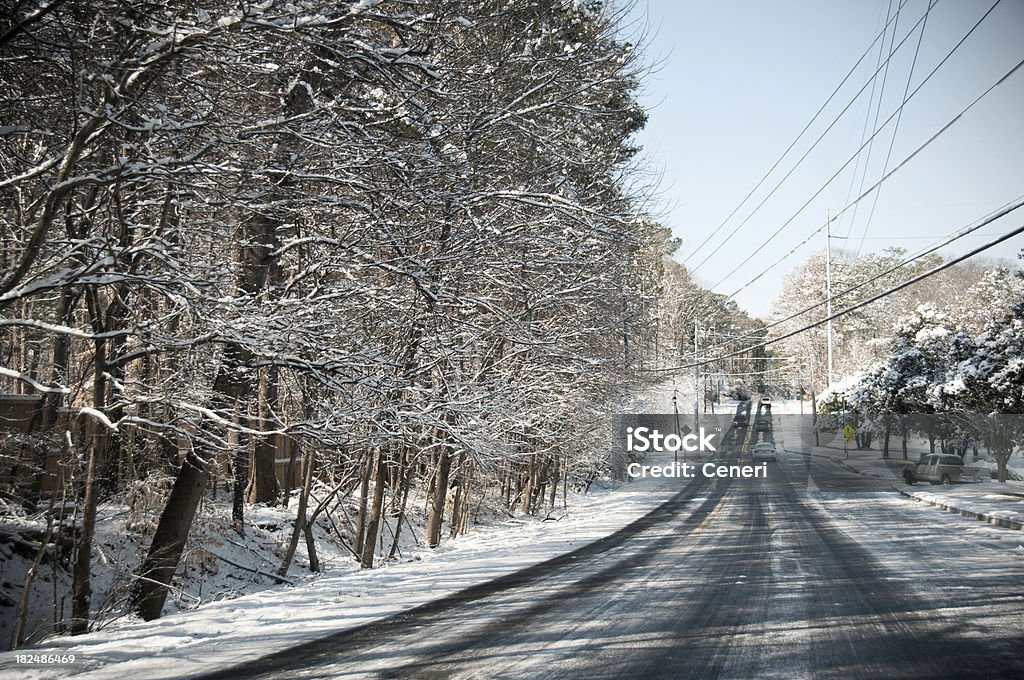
[(737, 579)]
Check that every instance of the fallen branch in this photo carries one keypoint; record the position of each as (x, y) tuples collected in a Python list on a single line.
[(276, 577)]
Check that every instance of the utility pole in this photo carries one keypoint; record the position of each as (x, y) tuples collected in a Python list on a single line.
[(828, 289), (696, 378)]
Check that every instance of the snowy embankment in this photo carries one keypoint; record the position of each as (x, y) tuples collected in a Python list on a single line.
[(997, 503), (1001, 504), (227, 632)]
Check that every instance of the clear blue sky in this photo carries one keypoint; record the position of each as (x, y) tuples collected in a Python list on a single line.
[(737, 80)]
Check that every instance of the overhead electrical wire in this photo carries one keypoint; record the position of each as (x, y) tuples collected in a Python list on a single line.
[(803, 157), (856, 153), (874, 124), (907, 238), (999, 213), (886, 176), (931, 139), (794, 142), (851, 308), (957, 235), (895, 129), (1006, 209), (969, 230)]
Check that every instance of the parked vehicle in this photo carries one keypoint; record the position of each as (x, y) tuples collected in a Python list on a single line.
[(937, 468), (763, 451)]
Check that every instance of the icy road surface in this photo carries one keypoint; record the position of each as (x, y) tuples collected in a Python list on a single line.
[(779, 577)]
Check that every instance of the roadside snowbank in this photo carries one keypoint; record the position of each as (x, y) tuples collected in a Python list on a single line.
[(995, 503), (222, 633)]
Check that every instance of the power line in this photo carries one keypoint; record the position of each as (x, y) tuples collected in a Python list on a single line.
[(877, 184), (895, 129), (878, 110), (802, 158), (856, 153), (904, 238), (798, 138), (1001, 212), (962, 233), (854, 307), (781, 369)]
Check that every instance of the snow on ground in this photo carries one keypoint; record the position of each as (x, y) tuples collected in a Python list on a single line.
[(990, 501), (225, 632), (222, 633), (218, 563), (791, 407)]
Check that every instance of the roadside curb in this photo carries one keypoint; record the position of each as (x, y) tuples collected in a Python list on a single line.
[(948, 506), (846, 466), (980, 516)]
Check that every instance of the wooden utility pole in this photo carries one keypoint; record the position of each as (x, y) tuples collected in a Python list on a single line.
[(696, 377), (828, 289)]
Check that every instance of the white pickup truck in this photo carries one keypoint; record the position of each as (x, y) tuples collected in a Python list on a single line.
[(940, 468)]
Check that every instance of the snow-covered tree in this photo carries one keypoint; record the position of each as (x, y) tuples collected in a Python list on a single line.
[(860, 337), (990, 383), (403, 236)]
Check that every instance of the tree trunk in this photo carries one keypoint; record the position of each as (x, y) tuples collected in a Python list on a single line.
[(555, 475), (263, 485), (21, 613), (438, 498), (459, 503), (1002, 458), (81, 597), (240, 468), (406, 484), (373, 525), (300, 518), (158, 569), (289, 472), (314, 562), (364, 491), (527, 489)]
